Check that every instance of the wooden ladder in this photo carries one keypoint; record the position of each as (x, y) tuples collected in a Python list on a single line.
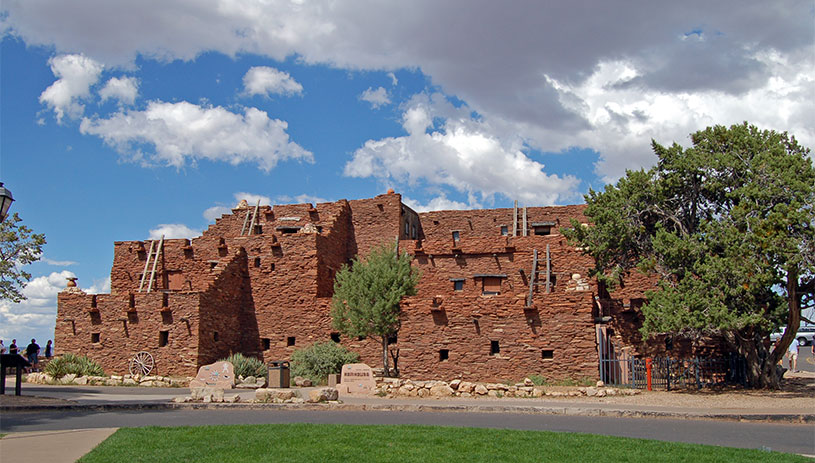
[(251, 229), (154, 256), (533, 279)]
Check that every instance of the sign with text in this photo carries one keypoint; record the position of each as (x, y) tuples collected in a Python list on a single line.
[(357, 378)]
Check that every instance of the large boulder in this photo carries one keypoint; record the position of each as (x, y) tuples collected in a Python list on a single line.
[(207, 394), (323, 395), (218, 374), (273, 395)]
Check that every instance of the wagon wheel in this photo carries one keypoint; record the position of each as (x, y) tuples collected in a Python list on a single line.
[(141, 364)]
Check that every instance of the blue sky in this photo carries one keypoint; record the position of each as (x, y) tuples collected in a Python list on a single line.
[(119, 121)]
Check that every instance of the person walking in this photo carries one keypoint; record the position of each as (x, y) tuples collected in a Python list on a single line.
[(12, 348), (792, 353), (32, 352), (49, 350)]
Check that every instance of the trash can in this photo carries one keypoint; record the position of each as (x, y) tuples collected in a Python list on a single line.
[(279, 374)]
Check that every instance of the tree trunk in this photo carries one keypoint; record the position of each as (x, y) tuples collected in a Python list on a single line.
[(760, 367), (387, 372)]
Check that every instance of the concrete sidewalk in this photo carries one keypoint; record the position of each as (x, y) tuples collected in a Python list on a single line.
[(51, 446)]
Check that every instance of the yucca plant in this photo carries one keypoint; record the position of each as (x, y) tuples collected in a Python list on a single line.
[(246, 366), (79, 365)]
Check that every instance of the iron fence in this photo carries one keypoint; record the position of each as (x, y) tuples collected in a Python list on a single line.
[(670, 373)]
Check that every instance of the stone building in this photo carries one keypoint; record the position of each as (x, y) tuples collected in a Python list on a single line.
[(259, 281)]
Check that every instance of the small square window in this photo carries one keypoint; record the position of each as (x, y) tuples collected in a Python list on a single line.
[(490, 286), (132, 303), (456, 236), (361, 338), (212, 265), (215, 336), (163, 338), (392, 339), (335, 337), (290, 341), (547, 354), (495, 349), (95, 338), (267, 343), (444, 354), (504, 230), (258, 229), (271, 266), (458, 285), (543, 231), (257, 262)]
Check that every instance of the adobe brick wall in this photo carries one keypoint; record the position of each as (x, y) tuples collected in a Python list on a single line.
[(268, 293)]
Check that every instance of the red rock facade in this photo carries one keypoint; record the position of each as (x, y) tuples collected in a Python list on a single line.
[(259, 281)]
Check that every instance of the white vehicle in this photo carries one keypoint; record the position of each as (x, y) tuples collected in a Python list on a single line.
[(804, 336)]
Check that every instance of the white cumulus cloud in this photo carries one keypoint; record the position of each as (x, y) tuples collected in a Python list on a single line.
[(264, 80), (299, 199), (252, 199), (75, 76), (376, 97), (215, 212), (34, 317), (173, 231), (184, 132), (124, 89), (462, 153), (438, 203)]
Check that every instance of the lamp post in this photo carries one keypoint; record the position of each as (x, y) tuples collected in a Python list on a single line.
[(5, 201)]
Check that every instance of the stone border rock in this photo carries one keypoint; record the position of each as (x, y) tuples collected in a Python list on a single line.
[(395, 387), (113, 380)]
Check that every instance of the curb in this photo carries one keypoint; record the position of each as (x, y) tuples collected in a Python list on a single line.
[(563, 411)]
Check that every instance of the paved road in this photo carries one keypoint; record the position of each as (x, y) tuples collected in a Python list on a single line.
[(780, 437)]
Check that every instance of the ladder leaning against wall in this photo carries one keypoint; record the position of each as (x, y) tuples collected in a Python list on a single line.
[(154, 256)]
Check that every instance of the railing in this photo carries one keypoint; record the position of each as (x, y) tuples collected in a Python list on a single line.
[(668, 373)]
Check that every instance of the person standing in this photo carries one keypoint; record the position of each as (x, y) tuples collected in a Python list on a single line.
[(32, 352), (12, 348), (49, 350), (792, 353), (2, 347)]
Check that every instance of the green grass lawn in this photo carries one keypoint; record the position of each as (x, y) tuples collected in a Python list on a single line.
[(353, 443)]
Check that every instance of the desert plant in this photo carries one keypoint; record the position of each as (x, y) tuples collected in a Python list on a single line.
[(321, 359), (246, 366), (537, 380), (79, 365)]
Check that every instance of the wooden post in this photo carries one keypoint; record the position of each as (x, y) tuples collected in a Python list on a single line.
[(251, 230), (515, 219), (155, 262), (548, 270), (648, 373), (532, 277), (524, 231)]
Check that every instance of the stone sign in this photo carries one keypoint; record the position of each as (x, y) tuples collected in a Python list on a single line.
[(356, 378), (218, 374)]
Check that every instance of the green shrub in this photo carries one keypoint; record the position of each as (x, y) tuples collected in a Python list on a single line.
[(537, 380), (321, 359), (246, 366), (79, 365)]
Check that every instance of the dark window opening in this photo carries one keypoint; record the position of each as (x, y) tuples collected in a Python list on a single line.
[(407, 230), (361, 338), (290, 341), (163, 338), (444, 354), (257, 261), (289, 231), (458, 285), (267, 343), (93, 301), (543, 231), (215, 336), (212, 265), (456, 236), (413, 232), (547, 354), (495, 349), (435, 222), (258, 229), (504, 230), (95, 338), (392, 339), (132, 302), (335, 337), (271, 266), (490, 286), (165, 300)]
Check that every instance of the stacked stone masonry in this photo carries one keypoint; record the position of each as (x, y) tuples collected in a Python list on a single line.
[(259, 281)]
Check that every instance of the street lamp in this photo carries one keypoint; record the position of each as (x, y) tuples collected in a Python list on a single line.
[(5, 201)]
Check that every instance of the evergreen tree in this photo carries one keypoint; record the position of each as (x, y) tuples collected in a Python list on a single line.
[(367, 295), (729, 226)]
